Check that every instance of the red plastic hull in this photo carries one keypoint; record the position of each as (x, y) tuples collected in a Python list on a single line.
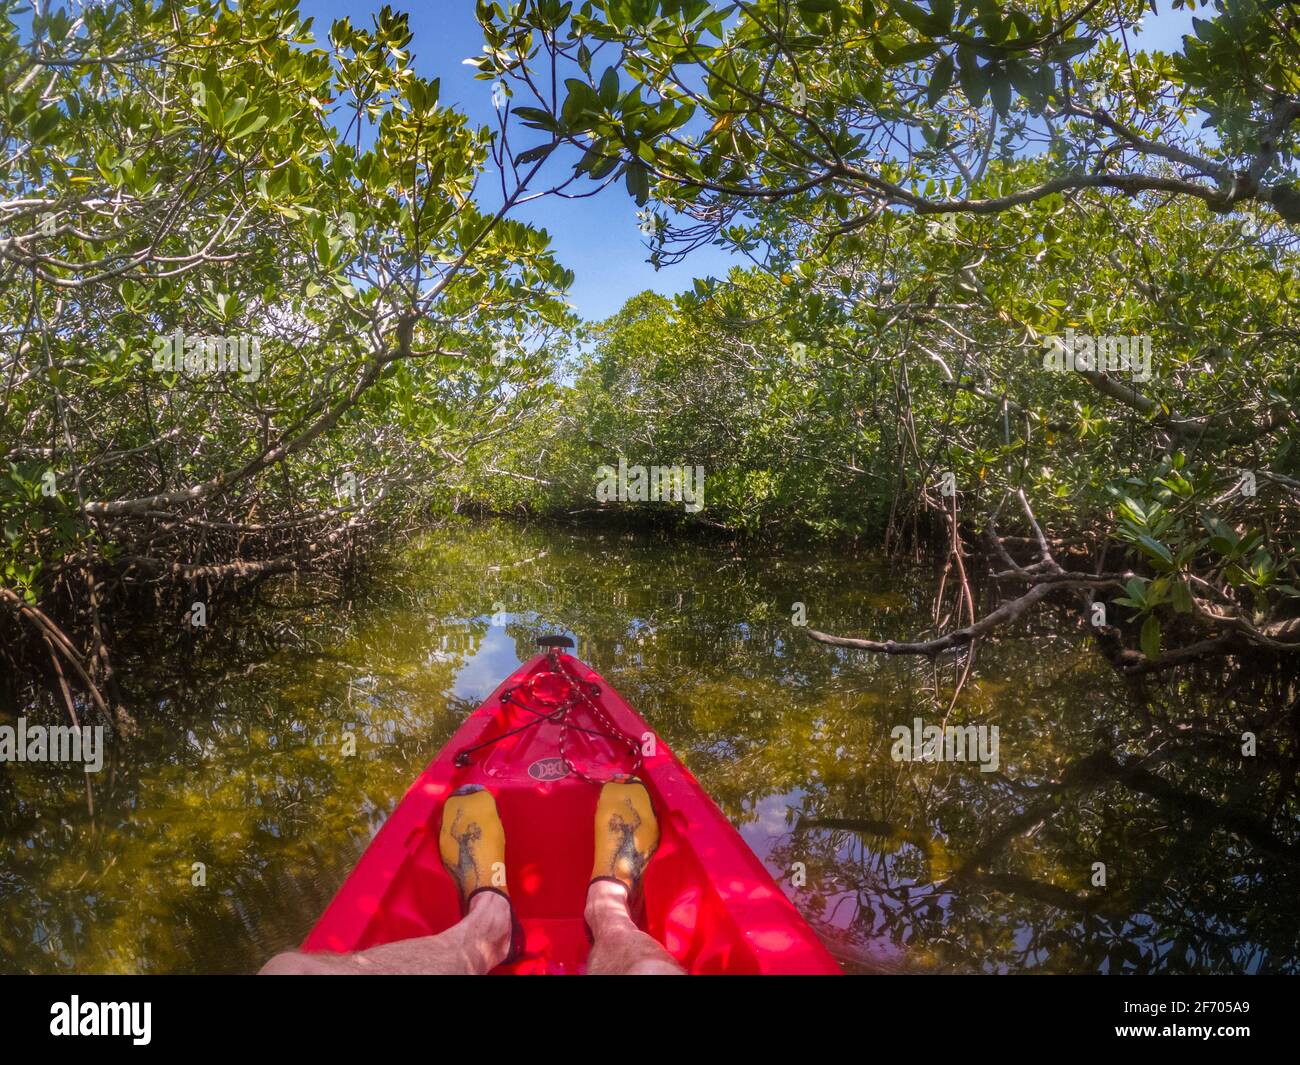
[(708, 899)]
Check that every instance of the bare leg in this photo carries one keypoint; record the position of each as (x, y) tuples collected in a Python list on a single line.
[(619, 947), (474, 946)]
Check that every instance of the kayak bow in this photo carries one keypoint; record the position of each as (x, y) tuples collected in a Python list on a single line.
[(542, 743)]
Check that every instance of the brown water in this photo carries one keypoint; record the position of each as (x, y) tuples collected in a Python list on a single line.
[(240, 766)]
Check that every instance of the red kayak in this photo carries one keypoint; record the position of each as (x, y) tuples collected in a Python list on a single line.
[(542, 743)]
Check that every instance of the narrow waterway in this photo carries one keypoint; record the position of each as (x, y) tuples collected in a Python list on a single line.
[(1099, 829)]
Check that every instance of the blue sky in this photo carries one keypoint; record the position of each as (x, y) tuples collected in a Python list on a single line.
[(597, 238)]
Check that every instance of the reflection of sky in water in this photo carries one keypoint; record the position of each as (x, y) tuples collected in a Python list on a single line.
[(481, 672), (495, 657), (768, 820), (769, 823)]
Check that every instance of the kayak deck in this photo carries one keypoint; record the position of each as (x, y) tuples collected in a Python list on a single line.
[(708, 899)]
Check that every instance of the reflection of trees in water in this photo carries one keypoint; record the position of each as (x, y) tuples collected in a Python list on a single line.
[(909, 864), (960, 868), (1197, 879)]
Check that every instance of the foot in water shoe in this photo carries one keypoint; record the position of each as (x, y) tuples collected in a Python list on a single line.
[(472, 842), (627, 833)]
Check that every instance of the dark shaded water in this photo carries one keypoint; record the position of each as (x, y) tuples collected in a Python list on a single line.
[(241, 766)]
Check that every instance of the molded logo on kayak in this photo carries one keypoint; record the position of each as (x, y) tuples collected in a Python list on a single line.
[(548, 769)]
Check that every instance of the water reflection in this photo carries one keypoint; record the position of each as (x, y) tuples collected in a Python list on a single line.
[(219, 834)]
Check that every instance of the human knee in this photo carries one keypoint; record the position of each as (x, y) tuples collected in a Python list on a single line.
[(290, 963)]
